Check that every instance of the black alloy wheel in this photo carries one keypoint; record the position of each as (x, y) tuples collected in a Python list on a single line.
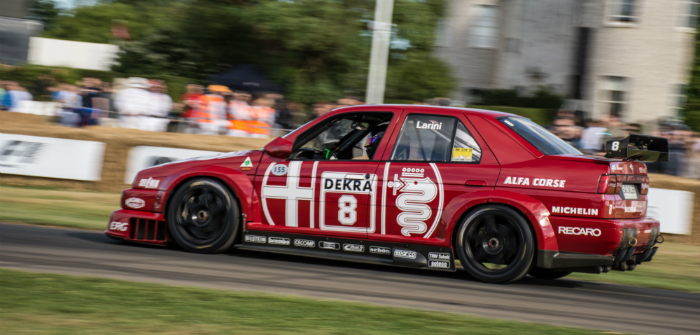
[(541, 273), (203, 216), (495, 244)]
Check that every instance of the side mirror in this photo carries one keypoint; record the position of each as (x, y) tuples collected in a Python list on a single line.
[(279, 148)]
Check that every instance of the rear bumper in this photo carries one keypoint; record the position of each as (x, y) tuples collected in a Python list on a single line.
[(138, 226), (586, 243)]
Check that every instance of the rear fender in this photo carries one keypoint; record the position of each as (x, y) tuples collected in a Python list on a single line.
[(458, 208), (536, 213)]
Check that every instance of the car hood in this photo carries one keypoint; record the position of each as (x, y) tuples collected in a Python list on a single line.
[(152, 177)]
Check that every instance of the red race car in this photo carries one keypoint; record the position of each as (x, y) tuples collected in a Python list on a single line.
[(413, 186)]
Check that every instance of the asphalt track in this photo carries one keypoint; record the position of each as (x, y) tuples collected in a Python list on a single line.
[(572, 303)]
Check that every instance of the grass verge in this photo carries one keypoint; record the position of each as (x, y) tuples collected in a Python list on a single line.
[(55, 304), (75, 209), (676, 266)]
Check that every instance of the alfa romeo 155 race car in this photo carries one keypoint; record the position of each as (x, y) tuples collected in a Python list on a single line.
[(413, 186)]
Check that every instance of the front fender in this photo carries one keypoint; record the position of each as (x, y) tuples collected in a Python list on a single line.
[(240, 182), (535, 211)]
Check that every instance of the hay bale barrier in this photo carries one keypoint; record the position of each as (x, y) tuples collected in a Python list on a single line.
[(118, 143)]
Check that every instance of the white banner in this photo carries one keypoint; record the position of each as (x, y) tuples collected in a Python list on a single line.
[(674, 209), (143, 157), (51, 157), (79, 55)]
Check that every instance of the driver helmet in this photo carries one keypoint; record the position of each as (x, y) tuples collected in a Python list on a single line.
[(375, 137)]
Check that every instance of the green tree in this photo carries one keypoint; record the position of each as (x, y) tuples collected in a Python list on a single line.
[(44, 11), (94, 23), (162, 52), (318, 49)]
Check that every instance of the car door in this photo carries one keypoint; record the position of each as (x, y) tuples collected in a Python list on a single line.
[(322, 195), (436, 165)]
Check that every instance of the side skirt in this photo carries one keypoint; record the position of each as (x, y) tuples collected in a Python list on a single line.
[(354, 250)]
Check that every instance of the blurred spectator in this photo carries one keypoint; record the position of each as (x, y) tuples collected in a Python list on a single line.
[(298, 114), (676, 154), (210, 115), (159, 108), (67, 96), (262, 117), (349, 101), (2, 91), (133, 103), (322, 108), (592, 137), (190, 99), (106, 100), (91, 89), (14, 95), (566, 129), (693, 159), (615, 128), (239, 115)]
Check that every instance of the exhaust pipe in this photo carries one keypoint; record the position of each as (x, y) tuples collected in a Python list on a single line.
[(633, 241), (621, 267), (653, 252), (660, 239)]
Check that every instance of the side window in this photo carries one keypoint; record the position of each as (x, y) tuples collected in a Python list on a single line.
[(425, 138), (465, 149), (337, 130), (352, 136)]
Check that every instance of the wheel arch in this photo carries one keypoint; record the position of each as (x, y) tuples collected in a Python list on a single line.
[(233, 185), (531, 209), (534, 212)]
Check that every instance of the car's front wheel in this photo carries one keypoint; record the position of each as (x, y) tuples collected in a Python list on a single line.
[(495, 244), (203, 216)]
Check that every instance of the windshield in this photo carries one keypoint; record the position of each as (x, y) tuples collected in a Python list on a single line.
[(541, 138)]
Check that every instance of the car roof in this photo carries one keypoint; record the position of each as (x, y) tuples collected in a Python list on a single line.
[(452, 111)]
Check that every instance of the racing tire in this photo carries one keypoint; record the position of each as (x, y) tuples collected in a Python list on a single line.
[(495, 244), (203, 216), (550, 274)]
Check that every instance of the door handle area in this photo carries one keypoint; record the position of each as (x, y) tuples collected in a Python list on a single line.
[(477, 183)]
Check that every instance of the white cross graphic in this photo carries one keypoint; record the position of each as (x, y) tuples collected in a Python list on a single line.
[(291, 193)]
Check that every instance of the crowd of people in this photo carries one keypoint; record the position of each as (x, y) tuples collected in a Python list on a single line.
[(139, 103), (590, 136), (11, 94)]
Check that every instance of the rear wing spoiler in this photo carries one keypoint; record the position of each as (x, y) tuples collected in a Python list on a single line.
[(638, 147)]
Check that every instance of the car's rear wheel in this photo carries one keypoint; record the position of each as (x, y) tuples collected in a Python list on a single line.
[(541, 273), (495, 244), (203, 216)]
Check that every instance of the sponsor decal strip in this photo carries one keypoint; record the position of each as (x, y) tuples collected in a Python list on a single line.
[(118, 226), (435, 259), (149, 183), (574, 210), (524, 181), (579, 231), (135, 203)]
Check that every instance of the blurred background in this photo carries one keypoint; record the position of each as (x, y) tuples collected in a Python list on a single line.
[(589, 70)]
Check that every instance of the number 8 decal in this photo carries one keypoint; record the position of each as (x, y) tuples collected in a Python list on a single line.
[(347, 213), (615, 146)]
